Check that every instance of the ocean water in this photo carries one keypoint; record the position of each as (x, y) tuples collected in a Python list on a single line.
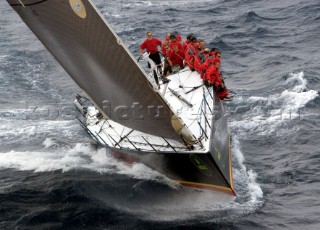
[(53, 176)]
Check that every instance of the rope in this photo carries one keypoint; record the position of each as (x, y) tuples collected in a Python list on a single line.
[(22, 4)]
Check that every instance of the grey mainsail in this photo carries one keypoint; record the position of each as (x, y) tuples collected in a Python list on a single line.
[(93, 55)]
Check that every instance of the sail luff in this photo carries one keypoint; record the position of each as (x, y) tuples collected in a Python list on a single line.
[(102, 66), (118, 39)]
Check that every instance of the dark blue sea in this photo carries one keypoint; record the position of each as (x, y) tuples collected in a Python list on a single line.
[(54, 176)]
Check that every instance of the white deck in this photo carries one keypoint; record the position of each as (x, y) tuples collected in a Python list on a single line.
[(112, 134)]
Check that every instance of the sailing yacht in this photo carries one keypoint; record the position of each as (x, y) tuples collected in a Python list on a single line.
[(177, 128)]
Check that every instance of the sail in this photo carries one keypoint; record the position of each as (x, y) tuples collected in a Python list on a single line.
[(94, 56)]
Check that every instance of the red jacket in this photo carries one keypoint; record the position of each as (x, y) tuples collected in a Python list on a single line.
[(208, 62), (185, 46), (165, 42), (199, 60), (197, 63), (177, 58), (203, 69), (166, 52), (213, 75), (191, 54), (176, 43), (179, 38), (151, 45)]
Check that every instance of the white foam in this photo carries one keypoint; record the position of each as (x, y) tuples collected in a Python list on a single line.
[(81, 156), (42, 161), (167, 3), (3, 58), (254, 187), (261, 120), (266, 114), (296, 97), (190, 204), (245, 179), (187, 205), (143, 172), (48, 143)]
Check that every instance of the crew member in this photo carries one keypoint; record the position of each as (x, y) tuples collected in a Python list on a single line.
[(186, 44), (199, 58), (167, 67), (151, 46), (176, 58), (213, 76), (174, 42), (165, 42), (190, 54), (178, 36)]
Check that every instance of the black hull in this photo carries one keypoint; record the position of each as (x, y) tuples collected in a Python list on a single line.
[(211, 170), (205, 170), (197, 170)]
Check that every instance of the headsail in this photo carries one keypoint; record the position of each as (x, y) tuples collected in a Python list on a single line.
[(94, 56)]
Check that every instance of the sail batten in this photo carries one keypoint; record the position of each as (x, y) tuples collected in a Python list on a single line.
[(76, 34)]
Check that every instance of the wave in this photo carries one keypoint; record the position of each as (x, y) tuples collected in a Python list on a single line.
[(254, 17), (263, 115), (245, 179), (176, 202), (188, 204), (221, 44), (54, 156), (312, 9)]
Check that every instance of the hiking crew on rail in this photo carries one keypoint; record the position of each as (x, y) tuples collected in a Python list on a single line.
[(192, 53)]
